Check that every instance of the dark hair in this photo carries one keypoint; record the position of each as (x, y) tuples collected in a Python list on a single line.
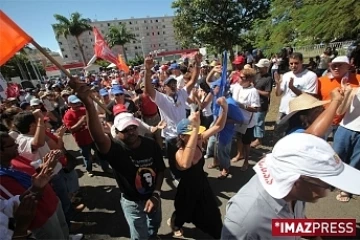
[(3, 135), (180, 143), (297, 55), (3, 128), (8, 115), (296, 121), (23, 120), (183, 69)]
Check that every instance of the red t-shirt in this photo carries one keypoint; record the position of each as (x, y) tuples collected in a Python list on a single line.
[(148, 108), (63, 159), (82, 136), (47, 204)]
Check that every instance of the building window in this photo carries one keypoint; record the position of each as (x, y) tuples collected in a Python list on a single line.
[(108, 24), (102, 31), (157, 27), (138, 35), (101, 25), (86, 47), (147, 34), (150, 21), (153, 34), (158, 33), (91, 40), (76, 55), (60, 43), (134, 41), (137, 28), (125, 49), (130, 23), (165, 44), (62, 50), (144, 21), (147, 28), (135, 47), (74, 48), (159, 44), (164, 26), (162, 20), (66, 56), (164, 32), (89, 33), (156, 20), (119, 23), (135, 22)]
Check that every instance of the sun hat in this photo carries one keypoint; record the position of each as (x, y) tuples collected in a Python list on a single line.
[(184, 127), (35, 102), (341, 59), (302, 102), (124, 120), (263, 63), (302, 154), (73, 99)]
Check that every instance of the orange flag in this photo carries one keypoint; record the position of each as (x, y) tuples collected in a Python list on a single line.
[(12, 38), (122, 65)]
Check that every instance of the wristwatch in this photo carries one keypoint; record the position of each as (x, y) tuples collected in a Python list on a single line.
[(157, 192)]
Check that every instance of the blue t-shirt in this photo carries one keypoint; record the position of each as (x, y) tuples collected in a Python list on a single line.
[(296, 130), (234, 112)]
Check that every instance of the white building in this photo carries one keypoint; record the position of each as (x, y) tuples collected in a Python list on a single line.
[(152, 34)]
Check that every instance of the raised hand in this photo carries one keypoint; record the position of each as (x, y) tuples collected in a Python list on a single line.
[(38, 114), (81, 88), (195, 119), (198, 58), (149, 63), (161, 125), (337, 94)]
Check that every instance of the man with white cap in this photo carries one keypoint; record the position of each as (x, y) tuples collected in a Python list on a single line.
[(137, 164), (301, 168), (338, 77)]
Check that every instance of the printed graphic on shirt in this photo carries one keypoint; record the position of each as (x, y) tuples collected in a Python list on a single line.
[(145, 180)]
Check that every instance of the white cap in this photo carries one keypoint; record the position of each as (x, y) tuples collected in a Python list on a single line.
[(35, 102), (263, 63), (341, 59), (124, 120), (301, 154)]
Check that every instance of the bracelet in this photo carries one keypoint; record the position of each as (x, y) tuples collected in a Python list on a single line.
[(158, 200)]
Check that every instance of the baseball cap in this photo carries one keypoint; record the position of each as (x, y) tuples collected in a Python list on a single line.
[(341, 59), (174, 66), (184, 127), (169, 79), (119, 108), (117, 89), (73, 99), (114, 82), (124, 120), (35, 102), (239, 60), (263, 63), (103, 92), (302, 102), (302, 154)]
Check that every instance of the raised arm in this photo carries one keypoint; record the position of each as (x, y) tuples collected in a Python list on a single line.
[(323, 122), (102, 140), (220, 122), (195, 73), (39, 136), (149, 88)]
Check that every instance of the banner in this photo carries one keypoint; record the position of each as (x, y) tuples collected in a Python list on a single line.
[(102, 50), (222, 84)]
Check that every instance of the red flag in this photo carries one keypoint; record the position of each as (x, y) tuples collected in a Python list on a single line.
[(102, 50), (122, 64), (12, 90), (12, 38), (188, 55)]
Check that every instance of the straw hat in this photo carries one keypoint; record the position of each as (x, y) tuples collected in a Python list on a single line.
[(302, 102)]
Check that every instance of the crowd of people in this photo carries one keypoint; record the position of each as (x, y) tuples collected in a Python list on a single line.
[(185, 112)]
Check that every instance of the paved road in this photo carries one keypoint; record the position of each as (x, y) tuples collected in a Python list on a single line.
[(104, 218)]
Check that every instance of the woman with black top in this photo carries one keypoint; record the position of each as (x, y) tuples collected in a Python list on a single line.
[(195, 202)]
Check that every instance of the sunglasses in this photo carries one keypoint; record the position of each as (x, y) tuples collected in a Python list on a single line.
[(336, 65), (118, 94), (129, 129)]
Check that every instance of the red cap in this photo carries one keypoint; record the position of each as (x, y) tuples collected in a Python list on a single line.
[(239, 60), (119, 108)]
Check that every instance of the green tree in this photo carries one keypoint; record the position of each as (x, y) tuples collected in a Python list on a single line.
[(119, 35), (74, 26), (304, 22), (138, 60), (102, 63), (220, 24)]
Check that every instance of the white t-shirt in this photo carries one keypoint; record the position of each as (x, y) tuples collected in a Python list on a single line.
[(248, 96), (306, 81), (351, 119), (207, 110), (172, 113), (180, 81)]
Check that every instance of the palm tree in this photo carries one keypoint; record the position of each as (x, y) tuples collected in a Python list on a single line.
[(74, 26), (119, 35)]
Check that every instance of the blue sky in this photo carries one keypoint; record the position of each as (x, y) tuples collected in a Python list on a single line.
[(36, 16)]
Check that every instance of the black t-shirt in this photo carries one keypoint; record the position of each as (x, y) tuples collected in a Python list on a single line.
[(135, 170), (263, 83), (130, 105)]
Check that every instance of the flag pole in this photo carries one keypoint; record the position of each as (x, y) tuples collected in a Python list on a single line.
[(58, 65)]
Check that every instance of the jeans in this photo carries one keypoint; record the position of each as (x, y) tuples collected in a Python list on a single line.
[(86, 152), (171, 150), (72, 181), (259, 128), (210, 150), (142, 225), (58, 183), (54, 228), (332, 130), (223, 155), (347, 146)]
